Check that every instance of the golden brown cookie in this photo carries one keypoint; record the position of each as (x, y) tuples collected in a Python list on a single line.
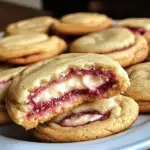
[(90, 121), (29, 59), (32, 58), (82, 23), (139, 26), (30, 47), (40, 24), (51, 87), (6, 76), (140, 85), (117, 43)]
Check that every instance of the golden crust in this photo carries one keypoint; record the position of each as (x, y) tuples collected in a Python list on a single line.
[(143, 23), (124, 118), (46, 71), (40, 24), (39, 57), (82, 23), (140, 82), (28, 44)]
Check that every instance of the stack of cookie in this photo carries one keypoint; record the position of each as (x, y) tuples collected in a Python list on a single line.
[(72, 97), (76, 96), (44, 37), (36, 39), (139, 73), (28, 42), (118, 43), (71, 26)]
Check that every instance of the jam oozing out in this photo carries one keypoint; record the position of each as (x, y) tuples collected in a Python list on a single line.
[(2, 83), (83, 118), (138, 31), (40, 107)]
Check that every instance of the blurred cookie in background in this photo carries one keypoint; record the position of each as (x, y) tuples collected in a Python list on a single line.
[(118, 43), (40, 24), (140, 85), (30, 48), (82, 23)]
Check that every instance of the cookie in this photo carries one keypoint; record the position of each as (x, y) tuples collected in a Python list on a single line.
[(139, 26), (30, 47), (118, 43), (51, 87), (91, 120), (37, 57), (81, 23), (140, 85), (6, 76), (40, 24)]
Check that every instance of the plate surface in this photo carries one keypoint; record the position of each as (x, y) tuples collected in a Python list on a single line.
[(137, 137)]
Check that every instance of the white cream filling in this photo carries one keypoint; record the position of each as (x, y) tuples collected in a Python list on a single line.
[(81, 120), (57, 90)]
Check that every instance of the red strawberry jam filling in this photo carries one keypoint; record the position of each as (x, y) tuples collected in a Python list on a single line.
[(57, 93), (83, 118), (137, 31)]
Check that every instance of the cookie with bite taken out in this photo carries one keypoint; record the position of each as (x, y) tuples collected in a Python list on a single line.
[(54, 86)]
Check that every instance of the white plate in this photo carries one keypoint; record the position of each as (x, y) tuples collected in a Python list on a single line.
[(137, 137)]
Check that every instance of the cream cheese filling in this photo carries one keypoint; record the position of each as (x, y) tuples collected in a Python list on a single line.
[(57, 90), (83, 119)]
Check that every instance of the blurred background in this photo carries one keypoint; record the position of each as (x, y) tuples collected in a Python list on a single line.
[(13, 10), (114, 8)]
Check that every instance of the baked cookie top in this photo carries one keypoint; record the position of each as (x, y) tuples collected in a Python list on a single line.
[(110, 40), (84, 19), (37, 24), (140, 82), (27, 44), (143, 23), (90, 120), (82, 23)]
